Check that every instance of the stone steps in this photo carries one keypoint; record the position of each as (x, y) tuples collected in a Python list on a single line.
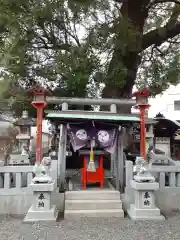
[(93, 203), (93, 195), (106, 213)]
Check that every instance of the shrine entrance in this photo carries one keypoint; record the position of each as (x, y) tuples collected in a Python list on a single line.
[(95, 138), (82, 178), (89, 144)]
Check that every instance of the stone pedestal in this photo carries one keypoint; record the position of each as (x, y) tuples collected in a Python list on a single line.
[(41, 209), (144, 207)]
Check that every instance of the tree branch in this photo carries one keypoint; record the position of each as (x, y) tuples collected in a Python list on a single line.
[(165, 1), (121, 1), (161, 53), (158, 36)]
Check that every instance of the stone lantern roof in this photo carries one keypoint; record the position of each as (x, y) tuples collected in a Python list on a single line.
[(25, 120)]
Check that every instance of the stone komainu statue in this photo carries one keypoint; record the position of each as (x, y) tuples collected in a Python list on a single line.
[(42, 171)]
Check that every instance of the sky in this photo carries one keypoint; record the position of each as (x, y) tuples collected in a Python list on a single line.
[(165, 103)]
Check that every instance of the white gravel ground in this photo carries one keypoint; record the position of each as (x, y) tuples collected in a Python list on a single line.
[(91, 229)]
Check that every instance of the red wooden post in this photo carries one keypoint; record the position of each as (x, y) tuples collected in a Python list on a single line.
[(101, 171), (143, 133), (142, 105), (39, 102)]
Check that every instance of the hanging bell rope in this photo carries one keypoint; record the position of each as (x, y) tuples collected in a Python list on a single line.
[(91, 165)]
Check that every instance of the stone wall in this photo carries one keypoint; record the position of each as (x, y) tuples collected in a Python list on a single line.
[(16, 197), (18, 202)]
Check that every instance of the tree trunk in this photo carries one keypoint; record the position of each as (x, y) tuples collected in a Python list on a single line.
[(134, 13)]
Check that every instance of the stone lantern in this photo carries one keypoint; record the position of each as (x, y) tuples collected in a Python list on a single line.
[(21, 155)]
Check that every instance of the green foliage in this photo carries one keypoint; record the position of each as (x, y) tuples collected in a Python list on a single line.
[(76, 46), (16, 98), (162, 71), (173, 70)]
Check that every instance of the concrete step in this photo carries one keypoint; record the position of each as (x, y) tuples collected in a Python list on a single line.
[(93, 195), (106, 213), (92, 204)]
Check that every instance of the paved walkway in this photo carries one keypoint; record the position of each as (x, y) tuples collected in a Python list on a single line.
[(91, 229)]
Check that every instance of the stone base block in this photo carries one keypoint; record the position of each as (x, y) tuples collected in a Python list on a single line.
[(144, 186), (144, 214), (47, 215), (42, 187)]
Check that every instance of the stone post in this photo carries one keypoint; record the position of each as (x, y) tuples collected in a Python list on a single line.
[(42, 186), (129, 173), (144, 207), (178, 180), (113, 109), (62, 152), (42, 209)]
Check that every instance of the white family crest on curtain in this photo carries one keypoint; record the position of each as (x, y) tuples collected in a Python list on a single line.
[(103, 136), (106, 136), (82, 134)]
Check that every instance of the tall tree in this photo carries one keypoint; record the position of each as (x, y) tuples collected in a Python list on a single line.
[(75, 47)]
